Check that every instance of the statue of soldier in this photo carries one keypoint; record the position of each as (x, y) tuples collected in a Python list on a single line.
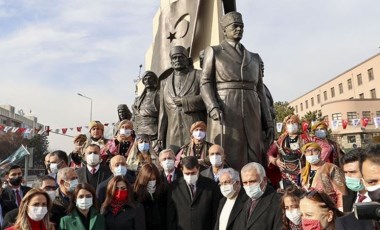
[(146, 107), (124, 114), (180, 101), (233, 91)]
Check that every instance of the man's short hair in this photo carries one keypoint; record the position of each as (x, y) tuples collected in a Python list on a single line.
[(62, 173), (190, 162), (232, 172), (93, 145), (166, 151), (371, 153), (253, 165), (14, 166), (41, 180), (351, 156), (61, 155)]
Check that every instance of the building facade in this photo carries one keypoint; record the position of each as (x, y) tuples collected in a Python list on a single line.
[(347, 98)]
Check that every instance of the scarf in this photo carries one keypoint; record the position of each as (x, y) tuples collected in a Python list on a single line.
[(116, 206)]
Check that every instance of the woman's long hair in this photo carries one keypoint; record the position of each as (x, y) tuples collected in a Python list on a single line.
[(22, 222), (143, 177), (73, 198), (111, 188), (293, 193)]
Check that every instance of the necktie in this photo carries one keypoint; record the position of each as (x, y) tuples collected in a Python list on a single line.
[(191, 187), (361, 198), (237, 48), (18, 197), (169, 178), (252, 207), (93, 171)]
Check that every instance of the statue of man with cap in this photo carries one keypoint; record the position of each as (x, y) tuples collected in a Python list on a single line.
[(232, 89), (180, 101), (124, 114)]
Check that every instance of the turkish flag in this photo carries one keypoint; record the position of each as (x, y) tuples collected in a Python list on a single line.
[(305, 126), (64, 130), (344, 123), (79, 129), (365, 121), (21, 130), (1, 127)]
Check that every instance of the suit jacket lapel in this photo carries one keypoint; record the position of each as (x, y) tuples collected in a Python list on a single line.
[(77, 221), (230, 51), (188, 83), (261, 207), (236, 209), (185, 190), (247, 57), (93, 218)]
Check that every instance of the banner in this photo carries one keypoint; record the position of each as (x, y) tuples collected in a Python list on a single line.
[(355, 122), (344, 123), (376, 120), (15, 157), (335, 124), (365, 121)]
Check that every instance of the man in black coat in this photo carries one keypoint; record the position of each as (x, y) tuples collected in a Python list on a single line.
[(231, 206), (93, 173), (262, 209), (15, 191), (193, 201)]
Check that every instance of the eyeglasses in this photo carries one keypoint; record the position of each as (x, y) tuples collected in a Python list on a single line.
[(312, 151), (227, 182)]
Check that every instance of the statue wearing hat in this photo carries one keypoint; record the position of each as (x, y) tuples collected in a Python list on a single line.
[(180, 102), (124, 114), (233, 91)]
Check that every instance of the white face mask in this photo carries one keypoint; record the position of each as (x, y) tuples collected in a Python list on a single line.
[(216, 160), (37, 213), (125, 132), (254, 191), (54, 168), (73, 185), (151, 186), (120, 170), (84, 203), (190, 179), (51, 195), (168, 165), (313, 159), (372, 188), (294, 216), (292, 128), (228, 190), (199, 135), (92, 159)]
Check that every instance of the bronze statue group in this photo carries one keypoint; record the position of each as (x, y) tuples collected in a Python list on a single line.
[(196, 152)]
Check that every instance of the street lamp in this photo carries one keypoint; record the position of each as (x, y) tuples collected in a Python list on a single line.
[(79, 94)]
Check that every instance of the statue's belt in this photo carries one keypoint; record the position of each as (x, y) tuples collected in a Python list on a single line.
[(236, 85)]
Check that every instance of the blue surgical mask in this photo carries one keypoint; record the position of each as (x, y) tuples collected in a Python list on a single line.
[(321, 134), (73, 185), (120, 170), (143, 147), (254, 191), (354, 184)]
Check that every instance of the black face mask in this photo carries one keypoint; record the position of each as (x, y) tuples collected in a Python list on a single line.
[(16, 181), (375, 195)]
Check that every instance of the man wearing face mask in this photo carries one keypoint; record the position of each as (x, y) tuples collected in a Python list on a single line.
[(284, 155), (123, 113), (94, 172), (217, 160), (356, 192), (118, 167), (198, 146), (331, 152), (262, 208), (15, 191), (194, 199), (58, 160), (67, 180), (232, 204), (169, 173)]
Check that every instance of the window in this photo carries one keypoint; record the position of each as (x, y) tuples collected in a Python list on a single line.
[(370, 75), (332, 92), (351, 139), (301, 106), (325, 95), (377, 113), (296, 108), (318, 98), (367, 114), (312, 101), (349, 84), (340, 88), (306, 104), (359, 78), (361, 96), (337, 116), (351, 116), (373, 93)]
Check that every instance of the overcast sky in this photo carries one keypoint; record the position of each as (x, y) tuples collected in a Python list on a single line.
[(51, 50)]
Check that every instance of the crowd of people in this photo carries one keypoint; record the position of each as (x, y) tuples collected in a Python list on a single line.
[(108, 186)]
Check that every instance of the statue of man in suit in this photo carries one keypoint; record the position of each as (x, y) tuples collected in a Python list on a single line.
[(233, 91), (180, 101)]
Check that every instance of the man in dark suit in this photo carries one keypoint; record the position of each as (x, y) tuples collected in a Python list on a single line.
[(94, 173), (217, 160), (193, 201), (118, 167), (356, 192), (57, 160), (15, 191), (167, 161), (231, 205), (262, 209)]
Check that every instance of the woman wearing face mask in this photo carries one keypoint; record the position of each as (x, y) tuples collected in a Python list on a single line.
[(197, 147), (83, 213), (318, 211), (122, 144), (331, 151), (151, 192), (33, 212), (119, 209), (141, 153), (284, 155), (291, 214), (321, 175)]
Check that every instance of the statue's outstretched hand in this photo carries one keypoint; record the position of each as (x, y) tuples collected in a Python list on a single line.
[(216, 114)]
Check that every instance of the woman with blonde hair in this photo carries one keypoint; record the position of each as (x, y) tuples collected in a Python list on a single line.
[(33, 212), (141, 153)]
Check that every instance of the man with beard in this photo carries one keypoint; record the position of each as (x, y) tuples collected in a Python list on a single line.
[(124, 114)]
